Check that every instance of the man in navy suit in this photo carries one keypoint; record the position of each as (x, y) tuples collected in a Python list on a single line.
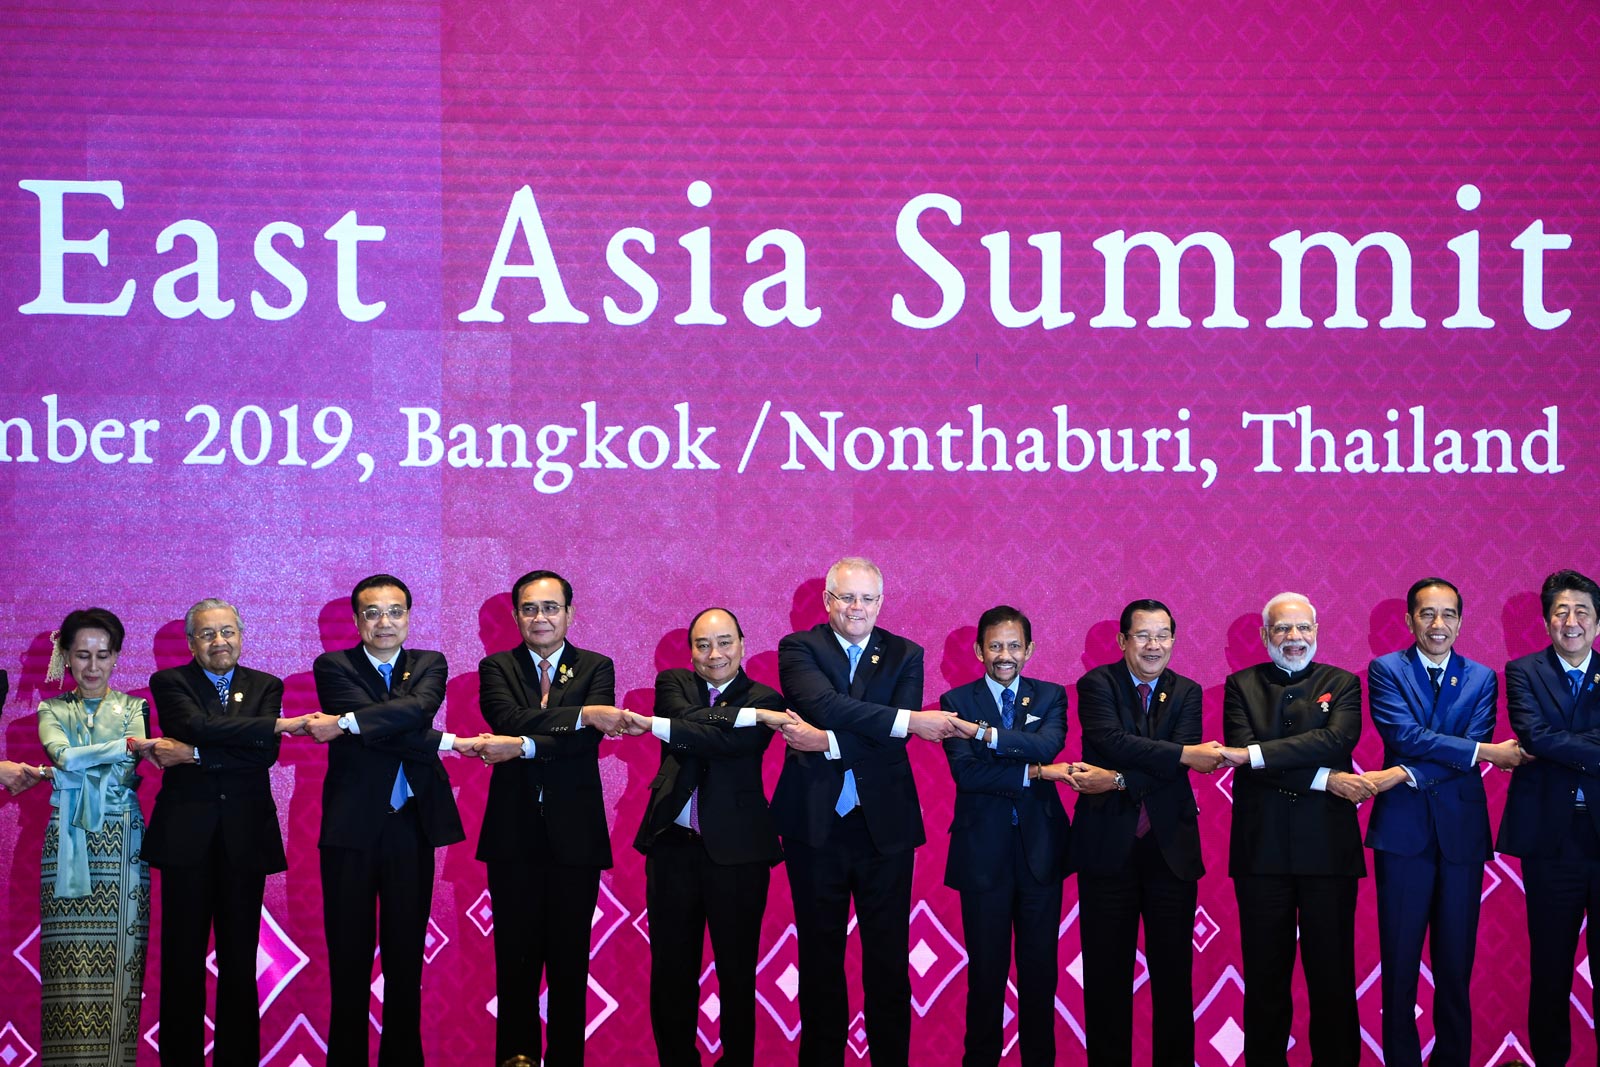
[(1552, 816), (846, 808), (1008, 840), (1435, 710), (1136, 846), (386, 805)]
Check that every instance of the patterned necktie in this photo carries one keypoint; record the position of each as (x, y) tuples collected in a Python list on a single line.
[(1436, 676), (400, 791), (222, 692), (1008, 719), (544, 683), (713, 693)]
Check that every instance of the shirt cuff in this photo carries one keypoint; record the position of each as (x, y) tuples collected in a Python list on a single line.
[(529, 749), (902, 723), (1027, 783), (994, 742), (1411, 779), (1257, 761), (746, 717), (1319, 781), (833, 745), (661, 727), (1477, 755), (447, 742), (196, 755)]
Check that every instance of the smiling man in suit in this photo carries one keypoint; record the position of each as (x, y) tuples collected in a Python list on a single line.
[(1552, 816), (1008, 840), (846, 806), (386, 805), (1136, 845), (1429, 832), (1295, 852), (709, 840), (545, 838), (214, 834)]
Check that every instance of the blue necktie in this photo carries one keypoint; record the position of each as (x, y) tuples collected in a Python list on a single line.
[(1575, 682), (402, 790), (1008, 719), (222, 692), (848, 800)]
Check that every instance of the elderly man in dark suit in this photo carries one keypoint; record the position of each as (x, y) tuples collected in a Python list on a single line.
[(214, 834), (1552, 816), (1295, 854), (386, 805), (1008, 840), (708, 838), (545, 838), (847, 810), (1429, 832), (1136, 845)]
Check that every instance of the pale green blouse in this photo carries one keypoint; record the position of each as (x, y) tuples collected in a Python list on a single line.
[(95, 774)]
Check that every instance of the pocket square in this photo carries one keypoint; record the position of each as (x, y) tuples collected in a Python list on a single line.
[(1031, 720)]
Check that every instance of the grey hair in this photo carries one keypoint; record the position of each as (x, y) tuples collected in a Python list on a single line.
[(849, 563), (1266, 612), (210, 603)]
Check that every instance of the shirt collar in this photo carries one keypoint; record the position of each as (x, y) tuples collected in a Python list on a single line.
[(374, 660)]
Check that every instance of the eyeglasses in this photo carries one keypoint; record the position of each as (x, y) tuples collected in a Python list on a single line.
[(549, 609), (394, 613), (1144, 637), (851, 600), (1284, 629), (227, 633)]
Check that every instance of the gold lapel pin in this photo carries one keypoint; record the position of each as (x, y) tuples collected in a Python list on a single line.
[(406, 675), (1026, 701), (874, 660), (238, 698), (1162, 699), (1452, 679)]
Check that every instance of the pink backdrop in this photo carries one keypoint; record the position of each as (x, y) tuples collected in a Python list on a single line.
[(1072, 127)]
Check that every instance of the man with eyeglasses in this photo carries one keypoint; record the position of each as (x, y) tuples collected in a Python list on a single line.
[(1295, 853), (386, 805), (214, 834), (1429, 831), (1008, 839), (1552, 816), (545, 838), (1136, 839), (846, 807)]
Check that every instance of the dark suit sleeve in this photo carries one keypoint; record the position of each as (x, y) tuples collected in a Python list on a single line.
[(704, 731), (226, 742), (1431, 757), (812, 695), (1292, 763), (1035, 746), (978, 769), (1538, 734), (1143, 761), (340, 692), (506, 714)]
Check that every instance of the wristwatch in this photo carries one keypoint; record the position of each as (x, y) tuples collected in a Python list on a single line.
[(1121, 783)]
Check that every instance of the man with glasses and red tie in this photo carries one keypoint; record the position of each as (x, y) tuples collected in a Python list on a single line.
[(846, 807), (1295, 852), (1136, 839), (1552, 816), (386, 805), (545, 838)]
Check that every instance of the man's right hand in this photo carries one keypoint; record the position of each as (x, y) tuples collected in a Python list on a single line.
[(775, 720), (604, 717), (323, 727), (1504, 754), (1352, 787), (1204, 758), (932, 725)]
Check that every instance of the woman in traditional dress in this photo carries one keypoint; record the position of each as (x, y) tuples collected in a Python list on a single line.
[(94, 902)]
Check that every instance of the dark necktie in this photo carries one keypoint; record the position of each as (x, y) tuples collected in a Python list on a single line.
[(544, 683), (222, 692), (1143, 826), (694, 798), (1008, 719), (1575, 682), (1436, 676), (400, 791)]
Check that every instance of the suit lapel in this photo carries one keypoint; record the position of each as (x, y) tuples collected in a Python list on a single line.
[(527, 675), (561, 670), (1444, 709), (1554, 679), (1027, 718), (368, 673)]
